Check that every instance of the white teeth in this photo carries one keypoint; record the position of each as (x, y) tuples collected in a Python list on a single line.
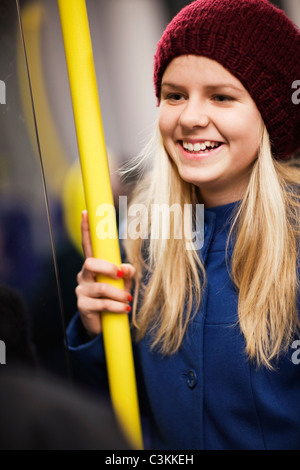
[(197, 147)]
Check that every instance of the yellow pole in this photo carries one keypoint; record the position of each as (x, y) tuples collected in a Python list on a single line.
[(98, 195)]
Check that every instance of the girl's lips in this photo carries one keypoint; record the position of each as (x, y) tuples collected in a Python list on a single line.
[(199, 155)]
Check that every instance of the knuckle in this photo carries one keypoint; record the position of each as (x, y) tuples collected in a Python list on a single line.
[(78, 277), (102, 288), (88, 264), (104, 304), (78, 290)]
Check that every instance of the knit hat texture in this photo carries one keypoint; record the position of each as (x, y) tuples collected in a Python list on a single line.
[(257, 43)]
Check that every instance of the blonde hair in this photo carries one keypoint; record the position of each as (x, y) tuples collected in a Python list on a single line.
[(263, 263), (264, 260)]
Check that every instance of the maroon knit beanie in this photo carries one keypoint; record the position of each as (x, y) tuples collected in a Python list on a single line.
[(257, 43)]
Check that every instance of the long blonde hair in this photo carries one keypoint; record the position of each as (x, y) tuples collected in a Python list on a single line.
[(263, 264)]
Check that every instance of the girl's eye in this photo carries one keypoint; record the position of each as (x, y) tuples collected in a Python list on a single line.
[(223, 98), (174, 97)]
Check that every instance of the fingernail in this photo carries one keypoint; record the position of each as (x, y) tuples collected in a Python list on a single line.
[(120, 273), (128, 308), (129, 298)]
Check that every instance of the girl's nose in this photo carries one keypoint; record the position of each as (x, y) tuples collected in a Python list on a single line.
[(194, 114)]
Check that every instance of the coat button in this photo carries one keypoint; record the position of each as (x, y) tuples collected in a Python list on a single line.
[(191, 378)]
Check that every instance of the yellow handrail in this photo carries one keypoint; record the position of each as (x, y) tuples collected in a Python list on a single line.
[(98, 193)]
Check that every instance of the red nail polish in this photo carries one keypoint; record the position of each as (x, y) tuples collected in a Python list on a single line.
[(128, 308), (129, 298), (120, 273)]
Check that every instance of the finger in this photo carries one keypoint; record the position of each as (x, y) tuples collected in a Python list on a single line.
[(96, 266), (86, 236), (98, 290), (129, 273), (89, 306)]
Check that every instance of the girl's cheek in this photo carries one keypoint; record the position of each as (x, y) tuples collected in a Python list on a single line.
[(163, 124)]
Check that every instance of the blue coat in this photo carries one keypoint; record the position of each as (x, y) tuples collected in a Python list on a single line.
[(208, 395)]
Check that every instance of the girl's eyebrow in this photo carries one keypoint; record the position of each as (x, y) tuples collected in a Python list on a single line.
[(208, 87), (170, 85), (224, 85)]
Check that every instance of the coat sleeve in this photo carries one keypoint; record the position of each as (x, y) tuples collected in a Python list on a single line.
[(87, 357)]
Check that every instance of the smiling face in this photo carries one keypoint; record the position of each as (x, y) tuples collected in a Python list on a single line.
[(210, 127)]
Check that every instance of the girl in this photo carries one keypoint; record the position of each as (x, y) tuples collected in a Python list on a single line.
[(215, 329)]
